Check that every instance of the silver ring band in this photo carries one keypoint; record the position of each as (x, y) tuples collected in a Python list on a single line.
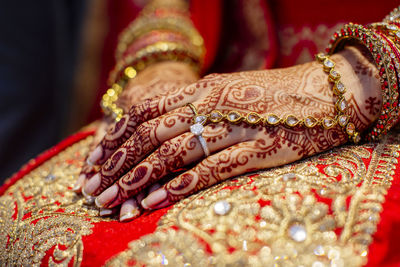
[(204, 145)]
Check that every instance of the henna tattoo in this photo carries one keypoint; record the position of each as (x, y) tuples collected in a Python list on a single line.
[(140, 144), (305, 91), (373, 105)]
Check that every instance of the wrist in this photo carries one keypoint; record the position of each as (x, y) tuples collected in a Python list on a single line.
[(361, 78)]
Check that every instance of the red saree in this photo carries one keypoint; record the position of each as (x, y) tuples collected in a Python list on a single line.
[(339, 208)]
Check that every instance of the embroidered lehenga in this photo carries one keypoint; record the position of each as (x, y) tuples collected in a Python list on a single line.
[(339, 208)]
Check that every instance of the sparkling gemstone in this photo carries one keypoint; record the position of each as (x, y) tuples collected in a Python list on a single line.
[(320, 57), (342, 105), (216, 116), (350, 128), (310, 122), (297, 232), (334, 74), (328, 63), (50, 177), (319, 250), (197, 128), (391, 27), (328, 122), (343, 120), (253, 118), (340, 87), (233, 116), (317, 264), (222, 207), (200, 119), (333, 254), (291, 120), (272, 119), (398, 34), (288, 176)]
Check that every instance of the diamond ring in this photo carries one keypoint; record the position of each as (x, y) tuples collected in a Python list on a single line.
[(198, 127)]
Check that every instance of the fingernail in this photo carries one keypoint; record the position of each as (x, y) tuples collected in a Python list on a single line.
[(97, 203), (94, 156), (107, 196), (105, 212), (92, 184), (129, 215), (78, 185), (154, 199)]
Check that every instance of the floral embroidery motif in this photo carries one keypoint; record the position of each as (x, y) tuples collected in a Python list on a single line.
[(41, 216), (320, 211)]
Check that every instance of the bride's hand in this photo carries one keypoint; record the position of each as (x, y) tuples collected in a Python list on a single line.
[(162, 149), (152, 81)]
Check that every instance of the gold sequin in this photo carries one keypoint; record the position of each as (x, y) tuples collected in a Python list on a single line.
[(40, 212), (320, 211)]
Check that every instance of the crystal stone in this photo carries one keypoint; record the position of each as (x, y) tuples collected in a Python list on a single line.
[(342, 105), (197, 129), (328, 63), (291, 120), (222, 207), (215, 116), (391, 27), (310, 122), (297, 232), (200, 119), (272, 119), (334, 74), (343, 120), (350, 128), (253, 118), (340, 87), (289, 176), (233, 116), (319, 250), (50, 177), (398, 34), (328, 122)]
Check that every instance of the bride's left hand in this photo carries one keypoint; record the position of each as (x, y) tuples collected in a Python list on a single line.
[(163, 150)]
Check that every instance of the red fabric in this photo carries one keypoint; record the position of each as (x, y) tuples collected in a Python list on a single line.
[(385, 248), (206, 16), (118, 236)]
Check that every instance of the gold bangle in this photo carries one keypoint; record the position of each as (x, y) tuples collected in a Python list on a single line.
[(108, 101)]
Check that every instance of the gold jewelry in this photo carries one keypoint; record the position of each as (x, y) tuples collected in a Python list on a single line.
[(341, 105), (380, 51), (197, 129), (111, 96)]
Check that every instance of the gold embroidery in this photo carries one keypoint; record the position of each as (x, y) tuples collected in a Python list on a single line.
[(40, 213), (320, 211)]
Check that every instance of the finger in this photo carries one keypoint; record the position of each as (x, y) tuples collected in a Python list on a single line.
[(108, 212), (170, 156), (238, 159), (131, 208), (146, 138), (88, 170), (138, 114)]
